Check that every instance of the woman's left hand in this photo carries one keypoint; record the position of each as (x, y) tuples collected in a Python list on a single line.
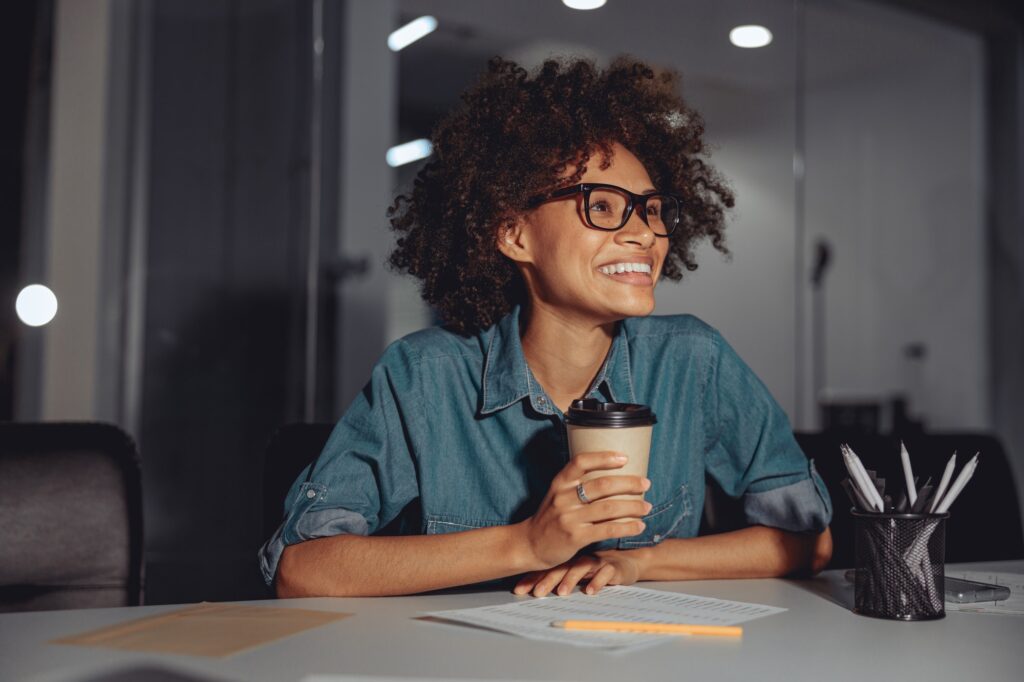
[(611, 567)]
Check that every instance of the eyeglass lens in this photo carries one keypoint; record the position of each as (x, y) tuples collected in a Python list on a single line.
[(607, 210)]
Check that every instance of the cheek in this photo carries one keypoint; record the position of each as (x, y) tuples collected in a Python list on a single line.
[(661, 253)]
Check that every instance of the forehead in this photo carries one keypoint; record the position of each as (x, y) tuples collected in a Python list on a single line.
[(624, 169)]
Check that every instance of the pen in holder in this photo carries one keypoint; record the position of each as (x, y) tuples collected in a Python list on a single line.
[(900, 565)]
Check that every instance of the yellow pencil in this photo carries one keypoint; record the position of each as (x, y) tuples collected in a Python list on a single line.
[(649, 628)]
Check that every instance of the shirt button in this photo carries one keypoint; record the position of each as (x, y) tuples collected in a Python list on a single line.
[(541, 400), (657, 538), (311, 494)]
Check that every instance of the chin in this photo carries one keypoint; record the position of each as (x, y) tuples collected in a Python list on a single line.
[(634, 309)]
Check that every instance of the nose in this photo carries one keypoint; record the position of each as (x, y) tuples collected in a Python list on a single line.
[(636, 231)]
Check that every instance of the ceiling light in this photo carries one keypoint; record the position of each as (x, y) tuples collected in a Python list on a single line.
[(36, 305), (751, 35), (583, 4), (411, 32), (409, 152)]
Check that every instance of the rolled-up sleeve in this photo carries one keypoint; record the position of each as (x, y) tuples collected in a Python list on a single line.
[(365, 475), (752, 454)]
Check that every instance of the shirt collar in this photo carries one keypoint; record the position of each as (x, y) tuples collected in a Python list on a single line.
[(507, 378)]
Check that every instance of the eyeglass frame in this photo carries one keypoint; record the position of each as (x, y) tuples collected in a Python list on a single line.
[(586, 188)]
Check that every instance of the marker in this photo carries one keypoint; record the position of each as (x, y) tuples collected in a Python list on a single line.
[(649, 628)]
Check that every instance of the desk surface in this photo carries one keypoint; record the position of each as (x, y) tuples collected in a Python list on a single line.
[(817, 638)]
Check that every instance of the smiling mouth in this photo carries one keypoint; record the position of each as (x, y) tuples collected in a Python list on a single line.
[(634, 273)]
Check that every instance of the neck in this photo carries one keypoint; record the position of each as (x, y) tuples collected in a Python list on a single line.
[(564, 353)]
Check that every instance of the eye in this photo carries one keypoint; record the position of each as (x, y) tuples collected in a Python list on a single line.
[(600, 205)]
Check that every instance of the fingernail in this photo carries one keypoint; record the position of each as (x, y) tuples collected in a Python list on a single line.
[(620, 458), (590, 590), (649, 506), (647, 483)]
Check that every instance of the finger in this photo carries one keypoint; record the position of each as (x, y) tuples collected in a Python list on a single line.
[(614, 529), (608, 510), (607, 486), (551, 578), (583, 567), (600, 579), (527, 582), (586, 462)]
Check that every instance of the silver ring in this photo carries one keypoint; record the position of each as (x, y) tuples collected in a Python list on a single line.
[(581, 494)]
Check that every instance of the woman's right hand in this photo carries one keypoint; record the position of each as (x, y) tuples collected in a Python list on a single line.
[(563, 524)]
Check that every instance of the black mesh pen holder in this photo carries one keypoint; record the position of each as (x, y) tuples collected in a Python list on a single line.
[(900, 565)]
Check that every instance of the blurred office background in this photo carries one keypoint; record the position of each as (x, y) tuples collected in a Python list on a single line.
[(202, 184)]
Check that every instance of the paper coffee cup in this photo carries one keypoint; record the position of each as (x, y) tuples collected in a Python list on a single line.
[(594, 426)]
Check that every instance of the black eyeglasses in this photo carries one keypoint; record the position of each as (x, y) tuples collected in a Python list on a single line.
[(608, 207)]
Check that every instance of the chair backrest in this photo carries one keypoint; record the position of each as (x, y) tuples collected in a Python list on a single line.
[(290, 450), (984, 523), (70, 517)]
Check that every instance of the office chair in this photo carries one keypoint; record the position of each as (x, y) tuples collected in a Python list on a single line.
[(70, 517), (291, 448)]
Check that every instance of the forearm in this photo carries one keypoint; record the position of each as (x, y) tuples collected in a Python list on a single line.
[(358, 566), (755, 552)]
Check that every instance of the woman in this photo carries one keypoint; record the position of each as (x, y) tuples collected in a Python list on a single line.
[(554, 204)]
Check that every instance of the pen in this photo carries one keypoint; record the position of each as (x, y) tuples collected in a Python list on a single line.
[(908, 473), (958, 485), (869, 485), (649, 628), (860, 477), (855, 481), (944, 482)]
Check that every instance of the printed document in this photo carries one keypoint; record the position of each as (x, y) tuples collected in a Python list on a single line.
[(532, 617)]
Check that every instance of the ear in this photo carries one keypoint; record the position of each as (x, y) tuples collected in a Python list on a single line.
[(513, 241)]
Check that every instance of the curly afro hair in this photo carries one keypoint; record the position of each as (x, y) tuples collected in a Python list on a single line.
[(515, 135)]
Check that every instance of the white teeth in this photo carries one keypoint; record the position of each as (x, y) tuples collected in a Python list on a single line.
[(625, 267)]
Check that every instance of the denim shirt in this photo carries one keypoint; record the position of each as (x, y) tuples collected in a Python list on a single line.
[(454, 433)]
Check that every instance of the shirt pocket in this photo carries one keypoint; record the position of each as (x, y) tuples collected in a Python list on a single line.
[(662, 521), (439, 524)]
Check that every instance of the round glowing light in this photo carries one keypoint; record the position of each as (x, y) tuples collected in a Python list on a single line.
[(583, 4), (36, 305), (750, 36)]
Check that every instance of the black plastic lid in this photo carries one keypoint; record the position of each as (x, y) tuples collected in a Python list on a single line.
[(591, 412)]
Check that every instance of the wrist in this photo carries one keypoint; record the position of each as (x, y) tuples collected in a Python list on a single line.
[(643, 556), (520, 549)]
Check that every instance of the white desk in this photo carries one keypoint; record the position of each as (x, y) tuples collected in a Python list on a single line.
[(818, 638)]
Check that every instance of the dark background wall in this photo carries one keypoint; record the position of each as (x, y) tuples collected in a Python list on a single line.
[(24, 58), (225, 280)]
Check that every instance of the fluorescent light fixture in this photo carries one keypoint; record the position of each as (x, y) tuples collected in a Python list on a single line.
[(411, 32), (409, 152), (750, 35), (36, 305), (583, 4)]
